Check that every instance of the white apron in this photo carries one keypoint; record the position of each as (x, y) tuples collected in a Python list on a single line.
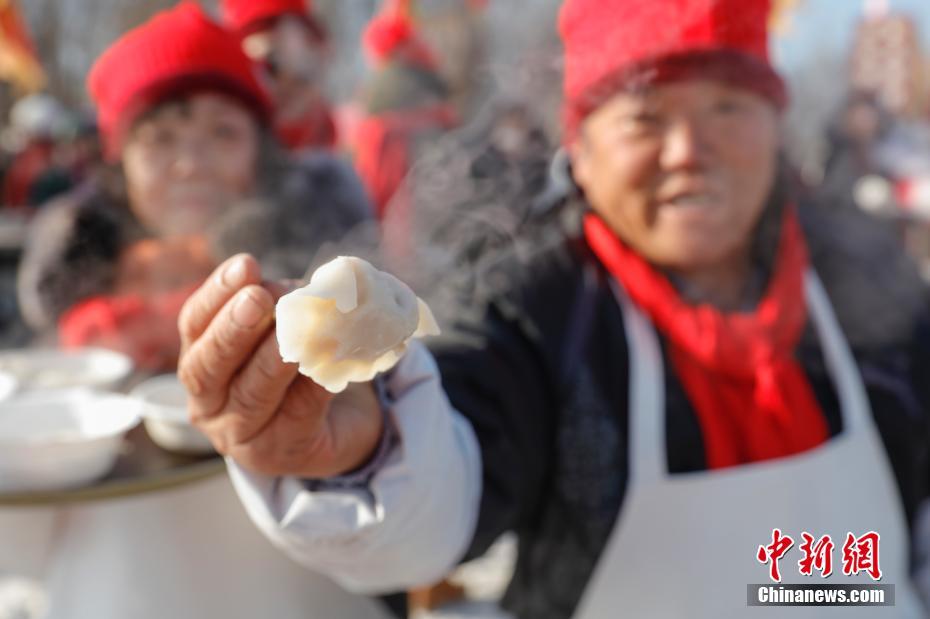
[(685, 545)]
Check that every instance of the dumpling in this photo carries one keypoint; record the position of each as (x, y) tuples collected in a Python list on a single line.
[(349, 323)]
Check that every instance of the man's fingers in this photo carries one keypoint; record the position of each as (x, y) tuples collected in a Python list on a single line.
[(295, 437), (228, 278), (306, 403), (255, 394), (207, 368)]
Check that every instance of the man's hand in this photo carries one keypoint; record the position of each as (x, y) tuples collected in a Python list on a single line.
[(253, 406)]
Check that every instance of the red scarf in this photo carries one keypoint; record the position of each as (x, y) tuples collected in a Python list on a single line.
[(314, 129), (752, 399)]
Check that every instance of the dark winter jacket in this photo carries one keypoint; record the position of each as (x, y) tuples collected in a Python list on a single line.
[(538, 362)]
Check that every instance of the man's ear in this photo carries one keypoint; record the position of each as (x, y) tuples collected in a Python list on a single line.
[(580, 157)]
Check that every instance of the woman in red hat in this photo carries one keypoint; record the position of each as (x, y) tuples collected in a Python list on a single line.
[(662, 384), (196, 176), (290, 45), (406, 104)]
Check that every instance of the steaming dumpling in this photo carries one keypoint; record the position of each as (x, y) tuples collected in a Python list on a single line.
[(349, 323)]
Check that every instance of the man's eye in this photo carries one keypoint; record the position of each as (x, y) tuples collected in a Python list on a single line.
[(165, 136), (226, 132), (641, 122), (728, 106), (155, 136)]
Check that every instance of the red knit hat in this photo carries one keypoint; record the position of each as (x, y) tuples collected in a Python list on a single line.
[(245, 17), (177, 51), (610, 42), (391, 34)]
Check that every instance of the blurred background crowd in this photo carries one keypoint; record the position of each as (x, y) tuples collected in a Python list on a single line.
[(461, 86), (362, 88)]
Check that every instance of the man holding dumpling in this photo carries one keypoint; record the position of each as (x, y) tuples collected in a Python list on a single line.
[(643, 396)]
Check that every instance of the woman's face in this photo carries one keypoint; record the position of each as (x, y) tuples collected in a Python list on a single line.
[(680, 171), (188, 161)]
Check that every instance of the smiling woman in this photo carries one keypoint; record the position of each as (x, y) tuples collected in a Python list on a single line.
[(197, 175), (187, 160)]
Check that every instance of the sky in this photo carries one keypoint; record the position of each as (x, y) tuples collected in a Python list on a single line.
[(828, 26)]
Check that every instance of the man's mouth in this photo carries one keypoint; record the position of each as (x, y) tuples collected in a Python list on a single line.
[(690, 200)]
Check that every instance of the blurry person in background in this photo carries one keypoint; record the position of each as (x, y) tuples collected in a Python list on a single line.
[(470, 192), (39, 124), (457, 32), (517, 152), (853, 142), (77, 157), (289, 44), (406, 105), (649, 388), (197, 175), (84, 153)]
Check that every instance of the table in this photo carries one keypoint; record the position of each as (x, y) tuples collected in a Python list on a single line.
[(162, 536)]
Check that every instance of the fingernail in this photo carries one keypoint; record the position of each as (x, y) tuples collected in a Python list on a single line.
[(247, 312), (235, 272)]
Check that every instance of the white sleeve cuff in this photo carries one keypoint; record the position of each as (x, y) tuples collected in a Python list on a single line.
[(414, 520)]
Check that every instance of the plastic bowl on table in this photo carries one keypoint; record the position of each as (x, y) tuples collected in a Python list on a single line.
[(62, 439), (164, 412), (42, 369), (8, 386)]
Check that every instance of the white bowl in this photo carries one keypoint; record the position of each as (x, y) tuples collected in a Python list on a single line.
[(164, 410), (40, 369), (8, 386), (61, 439)]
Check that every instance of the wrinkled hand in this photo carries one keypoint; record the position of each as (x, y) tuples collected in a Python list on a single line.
[(253, 406)]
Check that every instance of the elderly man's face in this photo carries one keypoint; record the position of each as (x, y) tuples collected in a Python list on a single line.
[(680, 171)]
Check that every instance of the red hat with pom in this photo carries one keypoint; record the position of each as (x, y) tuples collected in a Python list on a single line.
[(245, 17), (176, 52), (610, 44), (392, 35)]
